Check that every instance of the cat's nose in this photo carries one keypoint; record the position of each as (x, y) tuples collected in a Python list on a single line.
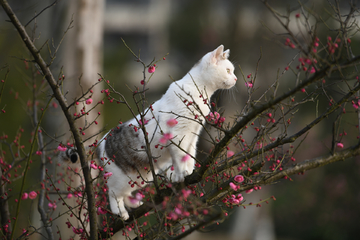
[(235, 79)]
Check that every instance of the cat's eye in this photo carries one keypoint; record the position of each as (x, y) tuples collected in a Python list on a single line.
[(228, 70)]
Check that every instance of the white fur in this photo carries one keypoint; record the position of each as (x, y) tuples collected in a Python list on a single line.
[(213, 72)]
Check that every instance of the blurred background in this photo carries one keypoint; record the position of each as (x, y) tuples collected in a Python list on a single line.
[(322, 204)]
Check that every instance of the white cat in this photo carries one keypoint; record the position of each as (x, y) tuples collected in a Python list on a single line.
[(122, 151)]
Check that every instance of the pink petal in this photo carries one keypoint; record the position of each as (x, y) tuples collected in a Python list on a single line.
[(172, 122)]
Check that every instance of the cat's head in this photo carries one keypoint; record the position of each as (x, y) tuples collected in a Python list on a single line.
[(216, 69)]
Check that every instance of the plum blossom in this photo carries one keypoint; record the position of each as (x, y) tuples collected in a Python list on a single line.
[(312, 70), (178, 211), (88, 101), (138, 197), (52, 206), (215, 118), (100, 210), (61, 149), (32, 195), (145, 121), (249, 191), (77, 230), (186, 193), (165, 138), (239, 178), (249, 84), (151, 69), (340, 145), (78, 194), (185, 158), (108, 174), (24, 196), (172, 216), (235, 199), (172, 122), (230, 154), (210, 117), (234, 186)]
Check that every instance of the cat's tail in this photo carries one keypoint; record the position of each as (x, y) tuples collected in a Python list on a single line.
[(69, 154)]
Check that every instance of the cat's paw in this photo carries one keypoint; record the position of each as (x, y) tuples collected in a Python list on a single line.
[(117, 207), (179, 176), (123, 214)]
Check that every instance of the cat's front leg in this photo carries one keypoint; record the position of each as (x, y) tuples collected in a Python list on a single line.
[(117, 207), (183, 164)]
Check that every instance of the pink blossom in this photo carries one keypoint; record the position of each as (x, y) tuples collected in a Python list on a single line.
[(249, 84), (108, 174), (186, 193), (61, 149), (100, 210), (172, 216), (233, 186), (233, 201), (78, 194), (151, 69), (52, 205), (77, 230), (165, 138), (93, 166), (211, 115), (24, 196), (69, 196), (88, 101), (145, 121), (178, 211), (230, 153), (38, 153), (54, 104), (249, 191), (185, 158), (138, 197), (221, 120), (172, 122), (240, 197), (340, 145), (239, 178), (312, 70), (32, 195)]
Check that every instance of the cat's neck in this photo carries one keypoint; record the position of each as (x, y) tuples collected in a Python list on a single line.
[(203, 82)]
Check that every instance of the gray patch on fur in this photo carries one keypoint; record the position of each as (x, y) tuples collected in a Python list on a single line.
[(120, 147)]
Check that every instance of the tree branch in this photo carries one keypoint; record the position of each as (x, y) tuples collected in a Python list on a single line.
[(62, 102)]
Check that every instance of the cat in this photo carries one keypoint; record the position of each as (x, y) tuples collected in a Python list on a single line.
[(173, 146)]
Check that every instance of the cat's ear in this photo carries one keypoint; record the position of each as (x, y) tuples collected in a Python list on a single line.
[(226, 54), (217, 54)]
